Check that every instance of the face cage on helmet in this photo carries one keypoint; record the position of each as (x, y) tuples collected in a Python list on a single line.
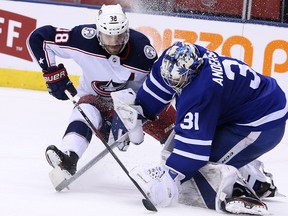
[(179, 83)]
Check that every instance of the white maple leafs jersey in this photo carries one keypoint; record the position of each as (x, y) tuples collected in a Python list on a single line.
[(227, 92), (102, 73)]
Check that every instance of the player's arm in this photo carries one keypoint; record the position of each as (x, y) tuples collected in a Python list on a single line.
[(150, 100), (154, 95), (40, 44), (197, 120), (44, 46)]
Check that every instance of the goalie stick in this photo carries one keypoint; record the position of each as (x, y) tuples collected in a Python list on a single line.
[(146, 202)]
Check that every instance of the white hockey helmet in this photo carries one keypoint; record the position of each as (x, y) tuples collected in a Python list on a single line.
[(112, 28), (180, 64)]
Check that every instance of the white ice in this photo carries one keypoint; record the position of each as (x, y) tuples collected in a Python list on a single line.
[(32, 120)]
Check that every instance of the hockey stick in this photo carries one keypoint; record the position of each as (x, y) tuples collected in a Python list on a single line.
[(64, 183), (146, 202)]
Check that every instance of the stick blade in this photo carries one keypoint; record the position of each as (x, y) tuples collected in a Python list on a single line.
[(149, 205), (58, 178)]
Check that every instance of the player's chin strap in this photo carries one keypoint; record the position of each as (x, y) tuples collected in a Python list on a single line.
[(146, 202)]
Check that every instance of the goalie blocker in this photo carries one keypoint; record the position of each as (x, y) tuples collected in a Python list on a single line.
[(132, 118), (160, 128)]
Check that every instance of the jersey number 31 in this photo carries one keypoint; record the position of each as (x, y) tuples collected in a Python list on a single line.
[(190, 121)]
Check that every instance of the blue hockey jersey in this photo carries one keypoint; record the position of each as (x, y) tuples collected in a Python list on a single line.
[(226, 92), (102, 73)]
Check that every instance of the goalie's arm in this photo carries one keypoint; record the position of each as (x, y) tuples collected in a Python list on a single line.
[(154, 95)]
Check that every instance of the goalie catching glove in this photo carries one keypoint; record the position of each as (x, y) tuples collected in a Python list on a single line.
[(130, 114), (57, 82), (160, 184)]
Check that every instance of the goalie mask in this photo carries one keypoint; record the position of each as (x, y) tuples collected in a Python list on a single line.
[(180, 64), (112, 28)]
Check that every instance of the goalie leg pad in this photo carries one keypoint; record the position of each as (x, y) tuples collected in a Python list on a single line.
[(261, 181), (212, 184), (221, 187)]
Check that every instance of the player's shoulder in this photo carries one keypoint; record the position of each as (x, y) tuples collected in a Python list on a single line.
[(141, 44), (84, 37), (138, 39), (87, 31), (136, 35)]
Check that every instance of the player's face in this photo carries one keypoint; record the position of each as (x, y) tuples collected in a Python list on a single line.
[(113, 43), (179, 82), (175, 82)]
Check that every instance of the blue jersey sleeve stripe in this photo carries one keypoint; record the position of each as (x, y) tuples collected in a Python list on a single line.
[(194, 149), (193, 141), (190, 155), (268, 118), (146, 89), (156, 83)]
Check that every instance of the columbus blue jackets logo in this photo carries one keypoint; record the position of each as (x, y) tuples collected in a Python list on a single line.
[(88, 33), (150, 52), (104, 88)]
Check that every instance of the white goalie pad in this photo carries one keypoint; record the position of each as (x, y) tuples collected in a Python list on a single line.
[(219, 177), (128, 113), (157, 184), (255, 175), (123, 100), (253, 172)]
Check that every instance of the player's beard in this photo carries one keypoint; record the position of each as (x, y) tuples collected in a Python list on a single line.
[(114, 50)]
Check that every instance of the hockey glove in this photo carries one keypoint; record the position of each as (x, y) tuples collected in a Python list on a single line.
[(157, 183), (130, 114), (57, 82)]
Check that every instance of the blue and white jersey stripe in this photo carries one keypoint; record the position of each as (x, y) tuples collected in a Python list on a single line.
[(227, 92), (154, 94)]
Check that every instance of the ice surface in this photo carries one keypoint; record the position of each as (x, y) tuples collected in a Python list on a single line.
[(32, 120)]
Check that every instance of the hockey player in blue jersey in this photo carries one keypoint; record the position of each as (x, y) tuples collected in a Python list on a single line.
[(226, 113), (112, 57)]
